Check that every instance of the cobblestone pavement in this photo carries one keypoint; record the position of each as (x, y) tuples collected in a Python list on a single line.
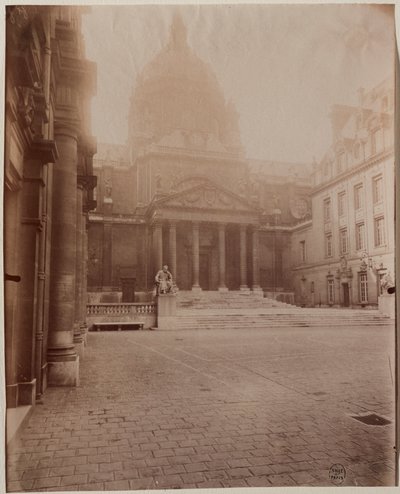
[(215, 409)]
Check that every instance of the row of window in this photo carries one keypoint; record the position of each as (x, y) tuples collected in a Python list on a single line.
[(362, 289), (379, 237), (377, 197), (360, 150)]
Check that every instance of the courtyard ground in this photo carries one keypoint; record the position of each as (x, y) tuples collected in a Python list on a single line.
[(185, 409)]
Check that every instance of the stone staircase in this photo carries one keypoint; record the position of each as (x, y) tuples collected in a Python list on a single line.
[(226, 300), (249, 310)]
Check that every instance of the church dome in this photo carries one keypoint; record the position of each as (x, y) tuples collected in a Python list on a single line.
[(178, 99)]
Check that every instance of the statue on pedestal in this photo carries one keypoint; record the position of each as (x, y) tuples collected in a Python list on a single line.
[(164, 283)]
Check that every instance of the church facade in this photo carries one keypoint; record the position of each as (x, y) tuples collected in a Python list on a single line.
[(182, 193)]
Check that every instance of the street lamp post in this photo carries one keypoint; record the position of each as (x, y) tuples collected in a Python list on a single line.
[(276, 215)]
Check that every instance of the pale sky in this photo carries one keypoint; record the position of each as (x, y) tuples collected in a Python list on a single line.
[(282, 66)]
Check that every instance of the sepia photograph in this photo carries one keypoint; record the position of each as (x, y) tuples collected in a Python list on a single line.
[(199, 246)]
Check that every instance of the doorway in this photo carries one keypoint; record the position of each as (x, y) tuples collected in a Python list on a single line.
[(346, 295), (204, 275)]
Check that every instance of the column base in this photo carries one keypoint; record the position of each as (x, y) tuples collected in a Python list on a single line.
[(84, 332), (244, 288), (258, 290), (196, 288), (80, 348), (64, 372), (223, 289)]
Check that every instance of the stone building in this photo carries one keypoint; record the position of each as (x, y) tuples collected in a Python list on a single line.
[(342, 256), (48, 191), (182, 192)]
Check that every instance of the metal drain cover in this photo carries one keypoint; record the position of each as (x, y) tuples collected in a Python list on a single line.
[(371, 419)]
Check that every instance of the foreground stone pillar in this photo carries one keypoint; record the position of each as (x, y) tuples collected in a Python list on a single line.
[(255, 260), (172, 251), (243, 257), (78, 337), (84, 327), (222, 257), (158, 244), (63, 362), (196, 255)]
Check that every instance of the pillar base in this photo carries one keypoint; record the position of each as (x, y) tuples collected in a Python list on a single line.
[(196, 288), (223, 289), (258, 290), (64, 371), (84, 332), (244, 288), (80, 348)]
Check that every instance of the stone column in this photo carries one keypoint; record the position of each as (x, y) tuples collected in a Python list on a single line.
[(158, 247), (63, 362), (222, 258), (78, 337), (255, 260), (107, 254), (243, 257), (172, 250), (196, 256), (84, 328)]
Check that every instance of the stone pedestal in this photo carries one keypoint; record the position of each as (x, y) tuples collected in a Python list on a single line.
[(166, 311), (387, 305)]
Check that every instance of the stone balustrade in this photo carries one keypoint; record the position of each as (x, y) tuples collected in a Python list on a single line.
[(122, 312)]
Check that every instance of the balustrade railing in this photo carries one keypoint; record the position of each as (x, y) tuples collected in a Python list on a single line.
[(117, 309)]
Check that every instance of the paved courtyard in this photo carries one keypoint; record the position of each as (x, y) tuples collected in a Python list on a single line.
[(185, 409)]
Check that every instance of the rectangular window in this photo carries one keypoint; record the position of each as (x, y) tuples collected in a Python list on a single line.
[(331, 292), (363, 287), (379, 231), (358, 196), (360, 236), (377, 189), (343, 244), (328, 245), (303, 251), (341, 203), (327, 210)]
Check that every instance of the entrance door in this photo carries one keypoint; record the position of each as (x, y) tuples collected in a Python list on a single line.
[(346, 295), (204, 259)]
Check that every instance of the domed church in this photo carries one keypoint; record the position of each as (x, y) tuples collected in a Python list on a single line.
[(183, 193)]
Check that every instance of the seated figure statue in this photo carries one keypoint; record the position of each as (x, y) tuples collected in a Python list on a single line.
[(164, 282)]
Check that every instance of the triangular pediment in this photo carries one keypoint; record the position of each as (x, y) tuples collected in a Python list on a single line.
[(206, 195)]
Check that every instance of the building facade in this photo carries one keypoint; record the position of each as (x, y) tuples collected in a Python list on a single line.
[(48, 191), (182, 193), (343, 256)]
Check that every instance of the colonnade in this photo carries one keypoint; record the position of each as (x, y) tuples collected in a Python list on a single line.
[(222, 262)]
